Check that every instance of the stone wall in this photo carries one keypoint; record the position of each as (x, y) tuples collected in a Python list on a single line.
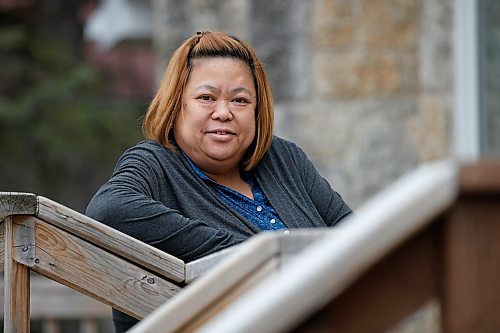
[(380, 94), (363, 86)]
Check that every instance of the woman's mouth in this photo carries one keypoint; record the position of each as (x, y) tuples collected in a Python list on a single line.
[(221, 135), (221, 132)]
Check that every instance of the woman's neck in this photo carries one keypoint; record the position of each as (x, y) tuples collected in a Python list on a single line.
[(232, 180)]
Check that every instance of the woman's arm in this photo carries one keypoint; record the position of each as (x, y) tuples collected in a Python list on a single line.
[(126, 203)]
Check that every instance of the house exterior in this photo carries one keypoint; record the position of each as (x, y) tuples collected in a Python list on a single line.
[(368, 88)]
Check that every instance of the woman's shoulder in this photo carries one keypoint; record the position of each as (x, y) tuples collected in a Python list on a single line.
[(147, 148), (148, 151), (284, 146), (284, 151)]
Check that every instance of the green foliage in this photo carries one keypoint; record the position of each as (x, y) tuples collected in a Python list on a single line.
[(55, 123)]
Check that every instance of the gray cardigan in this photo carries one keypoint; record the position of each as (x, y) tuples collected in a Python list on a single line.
[(155, 196)]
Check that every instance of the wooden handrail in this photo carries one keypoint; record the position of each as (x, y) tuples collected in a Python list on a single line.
[(81, 253), (288, 247), (59, 243), (238, 271), (106, 237), (306, 281), (67, 259), (243, 266), (379, 226), (273, 282)]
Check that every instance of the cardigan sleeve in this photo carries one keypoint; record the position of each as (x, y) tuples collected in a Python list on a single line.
[(328, 202), (127, 203)]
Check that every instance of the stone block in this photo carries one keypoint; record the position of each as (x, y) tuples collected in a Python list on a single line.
[(384, 150), (430, 127), (389, 23), (435, 46), (333, 23), (359, 146), (280, 35), (356, 74)]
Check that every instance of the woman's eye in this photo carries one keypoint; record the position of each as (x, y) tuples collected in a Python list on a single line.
[(205, 97), (240, 100)]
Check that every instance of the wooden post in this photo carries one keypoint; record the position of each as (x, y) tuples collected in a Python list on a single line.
[(16, 276), (389, 291), (17, 287), (471, 296), (13, 203)]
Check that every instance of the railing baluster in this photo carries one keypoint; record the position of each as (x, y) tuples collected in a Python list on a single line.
[(51, 325), (17, 286), (89, 326)]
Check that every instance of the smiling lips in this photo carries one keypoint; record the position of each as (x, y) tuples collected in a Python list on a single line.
[(221, 135), (221, 132)]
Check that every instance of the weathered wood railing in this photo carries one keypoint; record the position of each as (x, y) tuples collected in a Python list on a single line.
[(434, 234), (43, 236), (402, 248)]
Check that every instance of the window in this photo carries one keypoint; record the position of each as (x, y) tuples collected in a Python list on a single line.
[(489, 76), (477, 79)]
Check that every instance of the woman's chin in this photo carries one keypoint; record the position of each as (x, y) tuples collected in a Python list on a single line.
[(220, 156)]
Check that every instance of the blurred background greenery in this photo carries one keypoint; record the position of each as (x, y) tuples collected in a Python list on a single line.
[(60, 130)]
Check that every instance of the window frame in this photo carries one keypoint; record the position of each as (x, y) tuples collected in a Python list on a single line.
[(467, 116)]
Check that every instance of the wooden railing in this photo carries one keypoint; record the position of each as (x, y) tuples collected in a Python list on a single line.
[(42, 236), (269, 285), (432, 235), (45, 237), (403, 247)]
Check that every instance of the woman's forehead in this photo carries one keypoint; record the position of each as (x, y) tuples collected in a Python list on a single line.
[(212, 72), (197, 62)]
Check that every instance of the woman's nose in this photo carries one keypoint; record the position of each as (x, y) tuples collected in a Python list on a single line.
[(222, 111)]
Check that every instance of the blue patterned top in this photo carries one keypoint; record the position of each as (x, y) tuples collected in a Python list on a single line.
[(258, 211)]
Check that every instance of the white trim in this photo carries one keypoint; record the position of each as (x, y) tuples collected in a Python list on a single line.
[(467, 143)]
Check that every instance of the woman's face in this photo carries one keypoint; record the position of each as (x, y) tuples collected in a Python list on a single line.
[(216, 124)]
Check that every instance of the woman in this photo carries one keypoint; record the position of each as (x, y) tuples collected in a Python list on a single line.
[(212, 174)]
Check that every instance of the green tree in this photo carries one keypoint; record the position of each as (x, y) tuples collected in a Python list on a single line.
[(60, 135)]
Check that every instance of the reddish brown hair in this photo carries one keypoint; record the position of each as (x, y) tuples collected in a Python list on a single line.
[(166, 105)]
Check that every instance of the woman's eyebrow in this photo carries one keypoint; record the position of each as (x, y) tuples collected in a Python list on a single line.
[(217, 90), (241, 89), (208, 87)]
